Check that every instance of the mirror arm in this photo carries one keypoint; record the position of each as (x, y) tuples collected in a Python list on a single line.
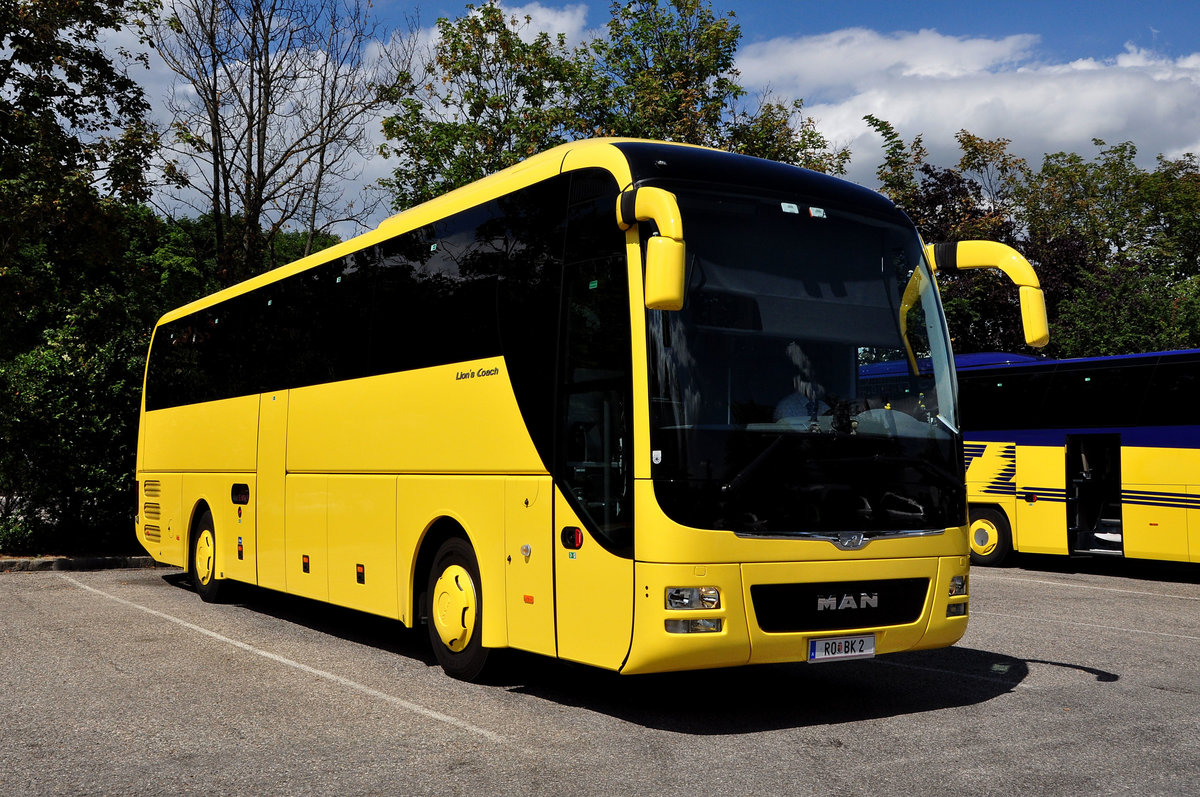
[(964, 255)]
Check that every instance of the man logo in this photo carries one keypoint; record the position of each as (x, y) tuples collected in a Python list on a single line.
[(831, 603), (851, 541)]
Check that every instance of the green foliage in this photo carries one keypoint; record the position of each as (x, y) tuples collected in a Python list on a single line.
[(491, 95), (784, 133), (667, 68), (83, 273), (897, 173), (72, 117), (69, 402), (1116, 247), (487, 99)]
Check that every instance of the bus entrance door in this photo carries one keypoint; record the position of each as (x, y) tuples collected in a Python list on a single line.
[(1094, 494), (593, 594)]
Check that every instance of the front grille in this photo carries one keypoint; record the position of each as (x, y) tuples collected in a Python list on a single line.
[(838, 605)]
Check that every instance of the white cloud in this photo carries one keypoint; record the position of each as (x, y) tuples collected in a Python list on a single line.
[(837, 62), (569, 20), (929, 84)]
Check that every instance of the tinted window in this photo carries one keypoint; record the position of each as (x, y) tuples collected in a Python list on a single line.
[(426, 297)]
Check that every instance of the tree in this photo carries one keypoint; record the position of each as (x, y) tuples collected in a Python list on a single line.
[(1116, 247), (72, 129), (667, 68), (782, 132), (1122, 243), (489, 94), (898, 172), (69, 406), (485, 96), (270, 121), (73, 143)]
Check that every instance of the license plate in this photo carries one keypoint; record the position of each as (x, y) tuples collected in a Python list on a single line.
[(837, 648)]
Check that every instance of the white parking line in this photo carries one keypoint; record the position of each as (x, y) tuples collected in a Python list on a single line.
[(1084, 625), (975, 574), (337, 679)]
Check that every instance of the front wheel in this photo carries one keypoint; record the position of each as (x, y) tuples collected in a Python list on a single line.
[(202, 560), (456, 611), (991, 537)]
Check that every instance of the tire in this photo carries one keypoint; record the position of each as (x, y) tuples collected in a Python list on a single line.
[(991, 537), (455, 601), (202, 559)]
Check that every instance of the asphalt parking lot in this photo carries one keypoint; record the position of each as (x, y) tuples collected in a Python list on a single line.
[(1073, 678)]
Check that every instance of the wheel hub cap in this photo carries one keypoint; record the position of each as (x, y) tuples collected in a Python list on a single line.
[(454, 605)]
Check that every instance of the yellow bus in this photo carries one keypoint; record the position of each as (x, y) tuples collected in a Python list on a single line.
[(1094, 456), (604, 405)]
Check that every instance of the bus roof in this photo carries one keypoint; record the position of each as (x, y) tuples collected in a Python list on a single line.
[(985, 361)]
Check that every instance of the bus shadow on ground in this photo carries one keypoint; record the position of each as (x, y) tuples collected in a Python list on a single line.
[(348, 624), (700, 702), (772, 697), (1137, 569)]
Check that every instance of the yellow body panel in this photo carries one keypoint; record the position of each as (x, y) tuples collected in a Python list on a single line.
[(362, 534), (237, 549), (1193, 524), (529, 563), (1155, 532), (214, 436), (656, 650), (161, 526), (741, 640), (1159, 466), (594, 597), (447, 419), (306, 546), (674, 543)]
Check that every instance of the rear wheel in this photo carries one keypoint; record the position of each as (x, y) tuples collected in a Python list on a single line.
[(991, 537), (456, 611), (202, 561)]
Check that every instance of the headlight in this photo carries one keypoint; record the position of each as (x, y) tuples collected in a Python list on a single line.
[(958, 585), (693, 598)]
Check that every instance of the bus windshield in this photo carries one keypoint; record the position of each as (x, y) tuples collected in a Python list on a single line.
[(774, 410)]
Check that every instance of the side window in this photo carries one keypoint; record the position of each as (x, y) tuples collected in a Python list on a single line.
[(596, 444)]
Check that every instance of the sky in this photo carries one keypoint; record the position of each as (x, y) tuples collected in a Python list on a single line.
[(1049, 76)]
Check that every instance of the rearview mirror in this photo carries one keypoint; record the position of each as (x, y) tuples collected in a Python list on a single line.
[(665, 252)]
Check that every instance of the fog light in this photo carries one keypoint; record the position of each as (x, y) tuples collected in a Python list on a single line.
[(693, 598), (693, 626), (956, 610), (958, 585)]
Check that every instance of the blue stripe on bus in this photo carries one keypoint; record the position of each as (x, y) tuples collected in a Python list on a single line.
[(1056, 495), (1141, 436)]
